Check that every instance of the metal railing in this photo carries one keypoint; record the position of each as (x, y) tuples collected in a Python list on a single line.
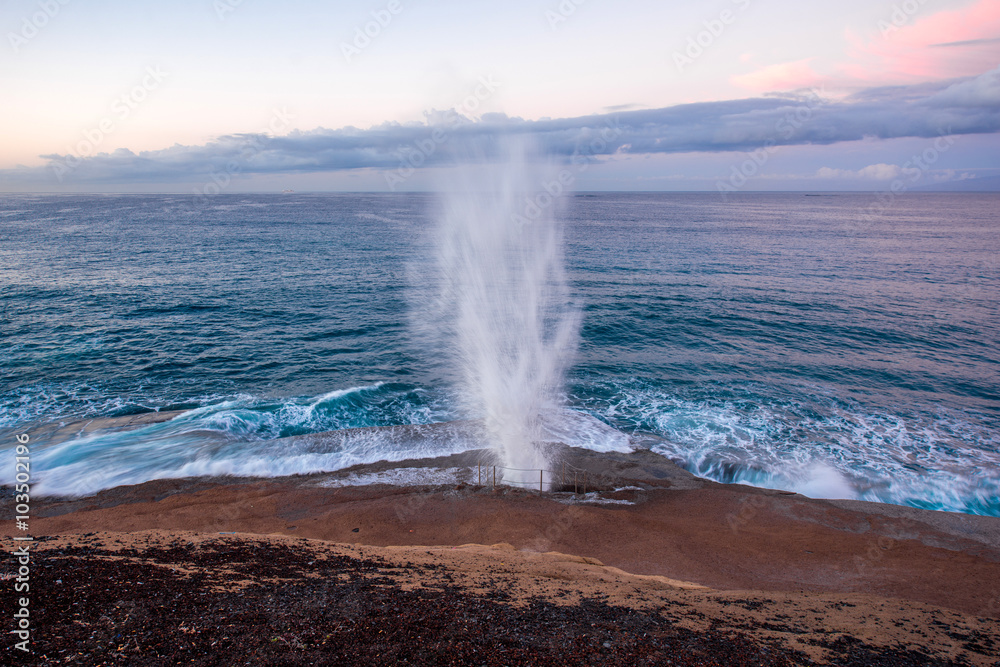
[(580, 476)]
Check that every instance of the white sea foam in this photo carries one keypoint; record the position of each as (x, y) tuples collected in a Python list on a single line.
[(826, 450), (214, 441), (579, 429), (593, 498), (402, 477)]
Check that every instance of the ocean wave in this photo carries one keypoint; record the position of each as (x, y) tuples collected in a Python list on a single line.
[(252, 437), (821, 446), (246, 414)]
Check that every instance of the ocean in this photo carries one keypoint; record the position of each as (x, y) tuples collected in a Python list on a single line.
[(781, 340)]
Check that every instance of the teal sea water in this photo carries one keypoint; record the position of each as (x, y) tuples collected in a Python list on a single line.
[(780, 340)]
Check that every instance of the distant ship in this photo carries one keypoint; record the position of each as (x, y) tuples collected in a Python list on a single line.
[(287, 191)]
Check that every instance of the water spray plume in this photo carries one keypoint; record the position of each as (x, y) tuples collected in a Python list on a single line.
[(503, 286)]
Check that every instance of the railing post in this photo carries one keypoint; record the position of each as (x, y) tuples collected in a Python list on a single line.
[(494, 477), (540, 473)]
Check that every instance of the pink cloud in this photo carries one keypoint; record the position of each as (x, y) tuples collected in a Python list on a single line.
[(904, 48), (876, 172), (781, 76), (920, 47)]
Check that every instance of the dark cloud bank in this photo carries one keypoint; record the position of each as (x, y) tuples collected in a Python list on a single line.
[(968, 106)]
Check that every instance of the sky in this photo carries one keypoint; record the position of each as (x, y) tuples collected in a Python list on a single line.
[(205, 96)]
